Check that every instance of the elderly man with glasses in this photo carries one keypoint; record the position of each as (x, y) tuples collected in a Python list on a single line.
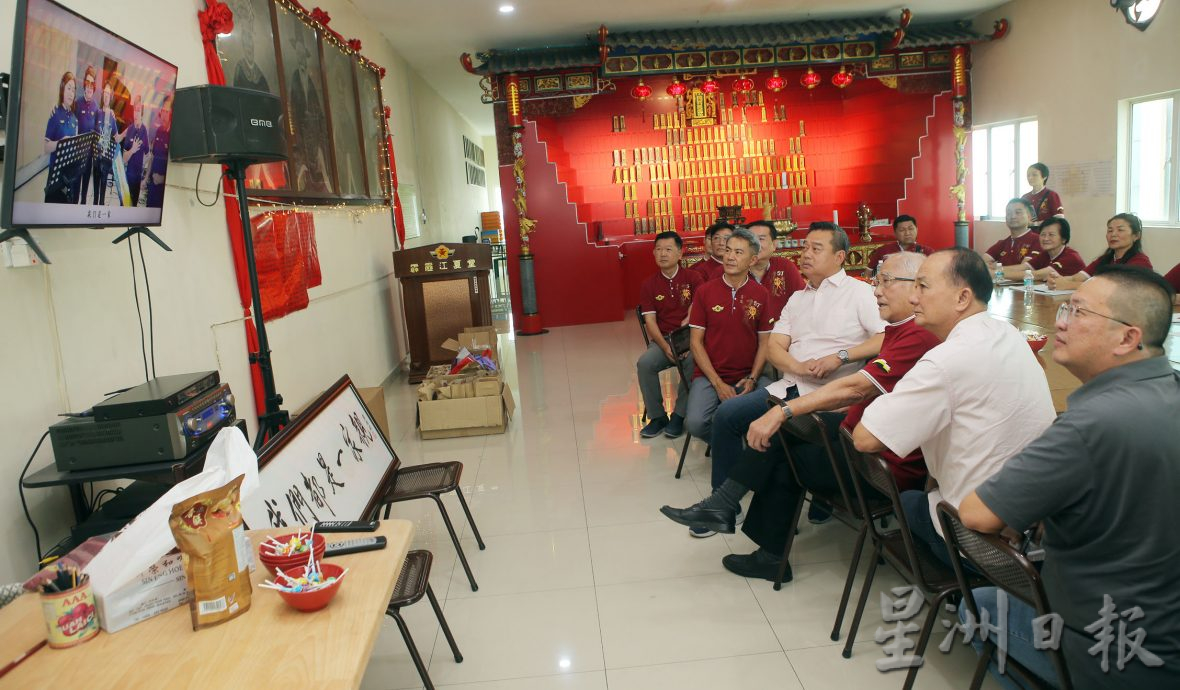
[(1104, 480), (765, 471)]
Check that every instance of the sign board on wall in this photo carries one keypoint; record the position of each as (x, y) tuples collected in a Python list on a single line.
[(330, 463), (411, 211)]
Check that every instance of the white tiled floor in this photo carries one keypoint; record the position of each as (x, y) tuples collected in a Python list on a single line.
[(584, 585)]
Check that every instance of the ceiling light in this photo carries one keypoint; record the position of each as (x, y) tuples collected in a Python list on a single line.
[(507, 9), (1138, 13)]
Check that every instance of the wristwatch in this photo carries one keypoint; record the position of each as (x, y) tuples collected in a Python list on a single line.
[(843, 355), (786, 408)]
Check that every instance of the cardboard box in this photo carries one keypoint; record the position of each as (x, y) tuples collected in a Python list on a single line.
[(479, 338), (471, 416), (374, 399), (160, 588)]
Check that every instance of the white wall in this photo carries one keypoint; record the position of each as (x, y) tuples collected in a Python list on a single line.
[(68, 331), (1069, 63)]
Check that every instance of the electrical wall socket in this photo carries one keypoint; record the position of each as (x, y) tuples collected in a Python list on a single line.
[(16, 254)]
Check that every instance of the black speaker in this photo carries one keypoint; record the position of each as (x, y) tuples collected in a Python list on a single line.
[(219, 124)]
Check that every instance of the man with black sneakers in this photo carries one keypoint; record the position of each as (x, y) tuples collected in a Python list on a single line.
[(765, 471), (664, 300), (716, 237), (730, 327)]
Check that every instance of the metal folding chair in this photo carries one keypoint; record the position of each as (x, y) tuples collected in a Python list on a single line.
[(912, 559), (678, 340), (1007, 569), (841, 502)]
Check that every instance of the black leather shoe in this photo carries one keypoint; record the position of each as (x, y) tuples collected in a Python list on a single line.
[(759, 564), (716, 519)]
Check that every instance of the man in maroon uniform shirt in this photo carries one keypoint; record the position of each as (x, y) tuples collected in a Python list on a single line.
[(764, 469), (780, 277), (730, 326), (664, 300), (905, 231), (1022, 242), (716, 236)]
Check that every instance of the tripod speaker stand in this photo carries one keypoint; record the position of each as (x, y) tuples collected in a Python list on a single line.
[(273, 419)]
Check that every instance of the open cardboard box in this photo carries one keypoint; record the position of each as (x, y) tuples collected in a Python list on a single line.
[(486, 412), (481, 402)]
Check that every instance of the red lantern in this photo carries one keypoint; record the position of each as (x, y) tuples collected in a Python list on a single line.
[(743, 85), (677, 88), (641, 91), (710, 85), (811, 79), (842, 78), (775, 83)]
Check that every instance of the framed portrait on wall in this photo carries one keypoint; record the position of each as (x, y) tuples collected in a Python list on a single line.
[(311, 165), (372, 112), (346, 125), (248, 58)]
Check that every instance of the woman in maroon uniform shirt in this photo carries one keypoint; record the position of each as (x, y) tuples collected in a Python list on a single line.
[(1124, 239), (1045, 202)]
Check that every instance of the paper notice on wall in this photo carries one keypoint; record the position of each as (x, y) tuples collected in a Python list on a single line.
[(1084, 179)]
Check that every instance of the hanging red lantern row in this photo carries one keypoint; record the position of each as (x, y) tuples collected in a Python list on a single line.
[(677, 88), (641, 91), (810, 79), (743, 85), (842, 78), (710, 85), (775, 83)]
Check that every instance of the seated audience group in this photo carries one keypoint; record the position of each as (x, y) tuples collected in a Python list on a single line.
[(954, 401)]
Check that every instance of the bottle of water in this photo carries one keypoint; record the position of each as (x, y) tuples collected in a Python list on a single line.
[(1028, 279), (999, 277)]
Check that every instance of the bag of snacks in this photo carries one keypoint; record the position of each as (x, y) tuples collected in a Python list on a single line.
[(217, 553)]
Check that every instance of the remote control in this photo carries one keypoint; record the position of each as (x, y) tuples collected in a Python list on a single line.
[(339, 548), (346, 526)]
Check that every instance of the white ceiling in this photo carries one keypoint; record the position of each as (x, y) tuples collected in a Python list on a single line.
[(431, 34)]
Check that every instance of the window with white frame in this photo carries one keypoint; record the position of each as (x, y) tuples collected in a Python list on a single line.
[(1000, 155), (1148, 150)]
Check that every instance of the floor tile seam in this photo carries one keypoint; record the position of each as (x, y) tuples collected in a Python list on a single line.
[(766, 616), (691, 661), (500, 680)]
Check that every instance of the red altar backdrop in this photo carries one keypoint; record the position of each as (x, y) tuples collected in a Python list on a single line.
[(891, 148)]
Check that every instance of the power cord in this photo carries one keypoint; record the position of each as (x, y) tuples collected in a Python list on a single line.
[(197, 188), (21, 487), (138, 312), (148, 288)]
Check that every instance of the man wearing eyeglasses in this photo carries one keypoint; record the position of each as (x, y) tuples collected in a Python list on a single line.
[(970, 403), (1105, 480), (765, 471)]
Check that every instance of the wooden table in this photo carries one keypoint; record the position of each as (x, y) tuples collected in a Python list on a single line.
[(269, 646), (1037, 314)]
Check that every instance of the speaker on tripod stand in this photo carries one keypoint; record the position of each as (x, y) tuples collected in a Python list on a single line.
[(236, 128)]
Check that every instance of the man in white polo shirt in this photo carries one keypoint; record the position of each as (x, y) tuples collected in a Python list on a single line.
[(970, 403), (823, 333)]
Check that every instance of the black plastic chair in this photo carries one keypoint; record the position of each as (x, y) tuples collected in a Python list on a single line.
[(679, 340), (841, 502), (914, 560), (412, 583), (432, 480), (1007, 569)]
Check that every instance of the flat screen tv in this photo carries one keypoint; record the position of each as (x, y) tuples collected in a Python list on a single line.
[(89, 122)]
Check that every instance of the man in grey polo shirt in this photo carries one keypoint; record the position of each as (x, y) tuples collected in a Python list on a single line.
[(1105, 479)]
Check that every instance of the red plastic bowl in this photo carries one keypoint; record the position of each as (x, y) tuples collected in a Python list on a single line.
[(290, 562), (317, 599), (1036, 342)]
